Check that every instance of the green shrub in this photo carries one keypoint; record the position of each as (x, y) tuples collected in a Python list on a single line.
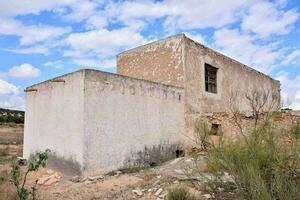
[(296, 130), (264, 165), (179, 193), (11, 116), (4, 152), (18, 180), (201, 132)]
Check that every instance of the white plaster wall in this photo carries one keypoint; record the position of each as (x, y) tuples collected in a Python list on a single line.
[(123, 115), (54, 117)]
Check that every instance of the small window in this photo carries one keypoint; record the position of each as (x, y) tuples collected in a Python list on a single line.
[(210, 78), (215, 129)]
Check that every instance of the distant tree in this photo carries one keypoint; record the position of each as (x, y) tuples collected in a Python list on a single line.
[(11, 116)]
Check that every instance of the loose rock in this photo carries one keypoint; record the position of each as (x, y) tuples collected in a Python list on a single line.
[(118, 173), (76, 179), (207, 196), (50, 172), (42, 180), (48, 179), (51, 181), (158, 192), (95, 178), (138, 192)]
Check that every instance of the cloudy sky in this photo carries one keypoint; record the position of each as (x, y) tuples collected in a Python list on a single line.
[(42, 39)]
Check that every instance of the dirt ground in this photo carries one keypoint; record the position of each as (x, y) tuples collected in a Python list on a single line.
[(120, 186), (11, 140), (149, 184), (11, 133)]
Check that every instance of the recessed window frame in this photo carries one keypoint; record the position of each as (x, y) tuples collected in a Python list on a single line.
[(210, 78)]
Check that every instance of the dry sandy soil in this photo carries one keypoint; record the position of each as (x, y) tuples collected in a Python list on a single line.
[(122, 186), (149, 184), (11, 140)]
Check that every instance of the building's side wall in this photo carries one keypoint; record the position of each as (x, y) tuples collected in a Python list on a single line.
[(230, 125), (123, 115), (54, 118), (234, 80), (160, 61)]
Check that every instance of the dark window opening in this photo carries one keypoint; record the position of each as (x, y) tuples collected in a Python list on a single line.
[(179, 153), (215, 129), (210, 78)]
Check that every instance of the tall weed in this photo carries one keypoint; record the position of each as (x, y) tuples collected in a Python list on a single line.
[(265, 165)]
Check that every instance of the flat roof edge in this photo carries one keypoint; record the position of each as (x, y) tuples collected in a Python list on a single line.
[(55, 78), (102, 72), (179, 35)]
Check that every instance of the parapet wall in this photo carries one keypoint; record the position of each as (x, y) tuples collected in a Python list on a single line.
[(124, 115), (160, 61)]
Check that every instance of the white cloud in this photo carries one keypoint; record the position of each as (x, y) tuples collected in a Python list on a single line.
[(57, 64), (104, 41), (81, 10), (98, 63), (30, 34), (24, 71), (97, 47), (197, 37), (15, 7), (207, 13), (292, 58), (290, 90), (265, 19), (38, 49), (96, 22), (244, 48), (296, 103), (99, 42), (7, 88), (10, 96), (188, 14)]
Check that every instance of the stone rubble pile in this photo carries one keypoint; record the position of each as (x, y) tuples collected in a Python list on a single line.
[(87, 180), (50, 178)]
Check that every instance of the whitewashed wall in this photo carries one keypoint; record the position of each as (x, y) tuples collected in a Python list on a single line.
[(54, 117), (100, 119), (123, 115)]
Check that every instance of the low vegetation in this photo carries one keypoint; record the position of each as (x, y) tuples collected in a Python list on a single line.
[(18, 179), (11, 116), (4, 151), (264, 165), (179, 193), (202, 133)]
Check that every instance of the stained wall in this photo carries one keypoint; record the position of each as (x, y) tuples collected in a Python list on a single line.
[(160, 61), (100, 120), (124, 115), (234, 79)]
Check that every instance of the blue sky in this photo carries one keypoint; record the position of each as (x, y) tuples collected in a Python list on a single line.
[(43, 39)]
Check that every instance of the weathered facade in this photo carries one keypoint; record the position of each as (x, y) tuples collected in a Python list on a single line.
[(100, 119), (180, 61)]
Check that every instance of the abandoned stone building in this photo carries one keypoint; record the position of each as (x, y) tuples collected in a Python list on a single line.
[(100, 120)]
